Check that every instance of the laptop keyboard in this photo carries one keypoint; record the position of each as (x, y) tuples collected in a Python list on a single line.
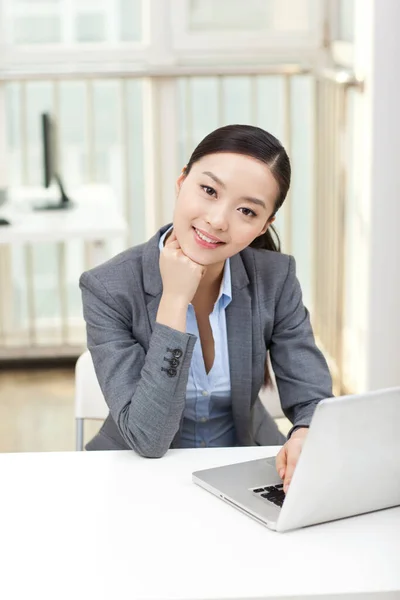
[(272, 493)]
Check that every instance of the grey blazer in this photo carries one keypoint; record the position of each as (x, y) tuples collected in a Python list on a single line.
[(143, 367)]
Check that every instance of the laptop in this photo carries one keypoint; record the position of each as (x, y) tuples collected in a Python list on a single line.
[(349, 465)]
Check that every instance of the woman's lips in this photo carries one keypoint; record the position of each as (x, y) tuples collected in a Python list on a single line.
[(204, 243)]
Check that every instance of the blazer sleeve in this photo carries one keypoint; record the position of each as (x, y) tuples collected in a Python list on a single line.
[(145, 401), (301, 371)]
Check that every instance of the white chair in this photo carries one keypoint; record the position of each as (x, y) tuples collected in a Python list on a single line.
[(270, 396), (270, 399), (89, 399)]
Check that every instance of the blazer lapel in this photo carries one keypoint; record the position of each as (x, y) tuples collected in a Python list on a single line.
[(239, 329), (152, 281)]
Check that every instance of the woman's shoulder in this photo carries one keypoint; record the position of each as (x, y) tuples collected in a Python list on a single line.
[(267, 263), (136, 258), (120, 279), (269, 274), (119, 264)]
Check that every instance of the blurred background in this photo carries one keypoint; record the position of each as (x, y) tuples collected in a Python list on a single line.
[(113, 95)]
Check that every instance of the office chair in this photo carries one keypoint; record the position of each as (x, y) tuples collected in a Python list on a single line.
[(89, 399)]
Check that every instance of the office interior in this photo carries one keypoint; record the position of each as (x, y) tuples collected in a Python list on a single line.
[(101, 105)]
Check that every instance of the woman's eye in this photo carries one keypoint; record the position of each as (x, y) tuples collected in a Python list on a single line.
[(208, 190), (247, 212)]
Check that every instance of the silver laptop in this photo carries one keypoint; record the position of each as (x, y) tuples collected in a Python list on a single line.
[(350, 464)]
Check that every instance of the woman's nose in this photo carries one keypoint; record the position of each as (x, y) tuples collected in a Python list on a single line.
[(218, 219)]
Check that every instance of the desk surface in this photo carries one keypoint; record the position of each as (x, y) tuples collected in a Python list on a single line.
[(109, 525), (94, 216)]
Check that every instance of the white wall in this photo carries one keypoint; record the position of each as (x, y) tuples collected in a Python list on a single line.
[(3, 143), (372, 352), (383, 339)]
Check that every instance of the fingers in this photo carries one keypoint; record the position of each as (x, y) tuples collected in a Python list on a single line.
[(293, 453), (172, 241), (171, 237), (281, 460)]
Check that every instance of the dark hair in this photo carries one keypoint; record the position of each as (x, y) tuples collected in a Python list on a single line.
[(261, 145)]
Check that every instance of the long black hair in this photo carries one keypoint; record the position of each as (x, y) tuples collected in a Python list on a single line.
[(261, 145)]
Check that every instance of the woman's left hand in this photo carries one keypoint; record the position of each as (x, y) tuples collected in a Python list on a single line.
[(288, 456)]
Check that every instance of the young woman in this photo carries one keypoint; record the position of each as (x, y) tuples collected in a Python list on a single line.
[(179, 327)]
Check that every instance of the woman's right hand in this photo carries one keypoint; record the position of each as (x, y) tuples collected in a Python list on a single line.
[(180, 275)]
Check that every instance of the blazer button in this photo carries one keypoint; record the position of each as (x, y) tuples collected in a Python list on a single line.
[(173, 362), (177, 353), (171, 372)]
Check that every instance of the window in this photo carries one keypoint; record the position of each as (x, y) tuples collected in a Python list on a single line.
[(238, 28), (37, 35), (105, 120), (33, 22), (343, 31)]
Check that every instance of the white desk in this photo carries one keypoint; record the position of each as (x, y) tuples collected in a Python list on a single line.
[(111, 525), (93, 219)]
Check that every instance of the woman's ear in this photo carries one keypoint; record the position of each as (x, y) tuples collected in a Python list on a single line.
[(267, 224), (180, 180)]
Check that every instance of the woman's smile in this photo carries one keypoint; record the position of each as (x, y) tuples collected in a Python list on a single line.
[(206, 240)]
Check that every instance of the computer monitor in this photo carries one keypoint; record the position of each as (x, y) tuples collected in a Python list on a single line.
[(50, 164)]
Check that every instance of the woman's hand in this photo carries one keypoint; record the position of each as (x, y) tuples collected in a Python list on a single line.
[(180, 275), (288, 456)]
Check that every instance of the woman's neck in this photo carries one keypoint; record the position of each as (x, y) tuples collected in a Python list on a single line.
[(208, 290)]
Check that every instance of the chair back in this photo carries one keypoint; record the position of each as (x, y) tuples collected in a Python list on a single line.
[(89, 399)]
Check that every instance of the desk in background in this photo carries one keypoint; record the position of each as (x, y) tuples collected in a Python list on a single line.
[(112, 525), (94, 219)]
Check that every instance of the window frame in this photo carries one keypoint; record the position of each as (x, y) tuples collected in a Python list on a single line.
[(342, 51), (247, 40), (167, 42)]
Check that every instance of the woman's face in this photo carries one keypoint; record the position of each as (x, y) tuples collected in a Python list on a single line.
[(222, 205)]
